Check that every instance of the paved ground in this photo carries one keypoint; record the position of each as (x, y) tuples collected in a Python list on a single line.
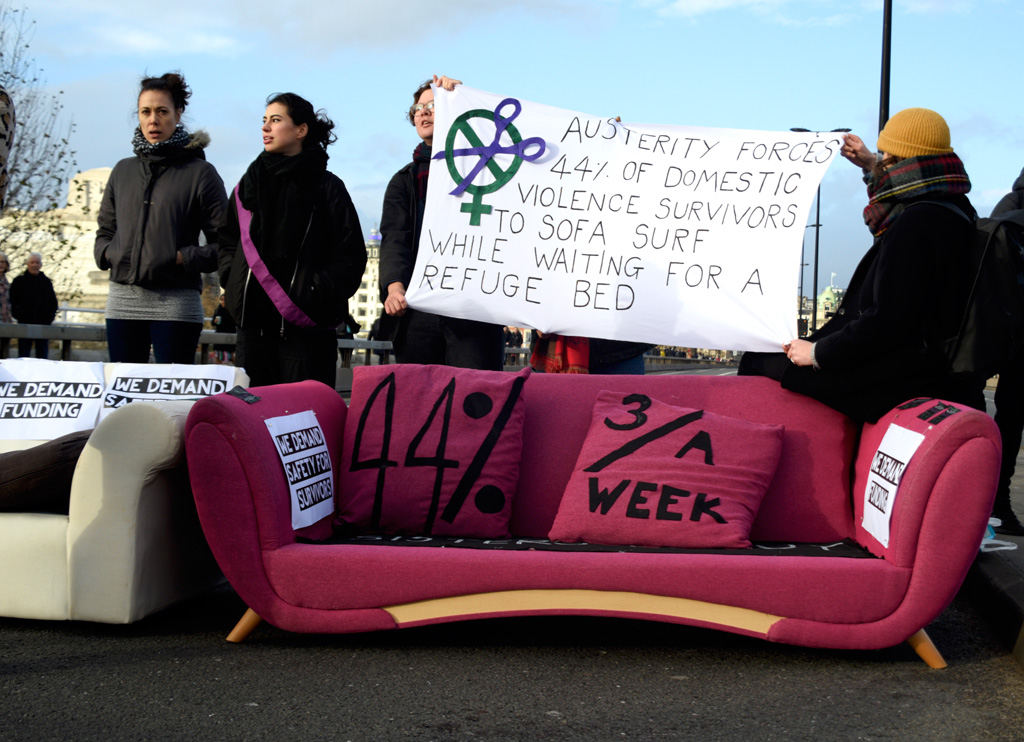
[(172, 676)]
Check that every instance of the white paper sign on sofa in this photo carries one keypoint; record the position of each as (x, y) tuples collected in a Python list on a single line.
[(582, 225), (301, 444), (894, 453), (43, 400), (135, 382)]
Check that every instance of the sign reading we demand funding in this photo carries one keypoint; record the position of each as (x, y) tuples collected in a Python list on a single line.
[(582, 225)]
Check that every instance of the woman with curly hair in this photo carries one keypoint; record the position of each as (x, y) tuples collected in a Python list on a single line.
[(154, 207)]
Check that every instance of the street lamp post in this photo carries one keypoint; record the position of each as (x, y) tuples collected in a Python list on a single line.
[(883, 102), (817, 230)]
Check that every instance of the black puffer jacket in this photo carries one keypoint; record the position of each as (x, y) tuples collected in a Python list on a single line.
[(156, 205), (306, 231)]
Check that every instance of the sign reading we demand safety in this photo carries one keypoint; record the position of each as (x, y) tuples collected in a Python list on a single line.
[(582, 225)]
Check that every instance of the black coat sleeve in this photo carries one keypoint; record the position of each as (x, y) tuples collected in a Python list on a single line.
[(885, 316), (397, 232)]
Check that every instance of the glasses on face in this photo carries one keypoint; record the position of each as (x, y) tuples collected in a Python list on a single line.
[(420, 108)]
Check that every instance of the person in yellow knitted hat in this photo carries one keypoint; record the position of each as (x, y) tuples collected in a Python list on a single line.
[(881, 348)]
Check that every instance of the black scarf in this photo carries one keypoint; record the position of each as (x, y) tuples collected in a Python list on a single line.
[(421, 169), (278, 190)]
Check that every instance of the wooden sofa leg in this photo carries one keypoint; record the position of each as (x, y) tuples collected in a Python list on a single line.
[(926, 650), (245, 626)]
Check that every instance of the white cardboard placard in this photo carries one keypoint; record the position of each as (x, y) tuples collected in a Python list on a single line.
[(137, 382), (890, 461), (43, 400), (300, 443)]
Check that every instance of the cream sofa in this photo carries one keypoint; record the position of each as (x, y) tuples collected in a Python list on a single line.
[(130, 544)]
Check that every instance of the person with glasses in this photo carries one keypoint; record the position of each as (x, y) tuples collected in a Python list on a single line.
[(423, 337)]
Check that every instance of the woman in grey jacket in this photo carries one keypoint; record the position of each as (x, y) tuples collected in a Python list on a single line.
[(153, 209)]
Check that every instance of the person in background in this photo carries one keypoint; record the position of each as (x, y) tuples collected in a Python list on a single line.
[(222, 321), (423, 337), (154, 207), (293, 251), (880, 349), (1009, 402), (5, 304), (33, 302)]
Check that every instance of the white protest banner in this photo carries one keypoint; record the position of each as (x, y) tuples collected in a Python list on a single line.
[(43, 400), (581, 225), (300, 443), (136, 382), (894, 453)]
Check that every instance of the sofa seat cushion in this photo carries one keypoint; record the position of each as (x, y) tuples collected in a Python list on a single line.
[(338, 577)]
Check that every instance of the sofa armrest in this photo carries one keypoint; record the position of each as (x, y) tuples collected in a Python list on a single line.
[(134, 544), (946, 493), (239, 484)]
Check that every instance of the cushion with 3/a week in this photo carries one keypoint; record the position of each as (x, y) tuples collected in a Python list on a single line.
[(652, 474)]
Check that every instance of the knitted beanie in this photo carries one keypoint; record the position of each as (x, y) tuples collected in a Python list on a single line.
[(914, 132)]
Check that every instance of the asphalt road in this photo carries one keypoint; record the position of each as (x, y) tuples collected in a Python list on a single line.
[(173, 677)]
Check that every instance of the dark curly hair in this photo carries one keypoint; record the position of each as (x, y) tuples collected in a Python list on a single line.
[(172, 83), (301, 112)]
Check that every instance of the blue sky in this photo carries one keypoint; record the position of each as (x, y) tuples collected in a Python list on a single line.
[(749, 64)]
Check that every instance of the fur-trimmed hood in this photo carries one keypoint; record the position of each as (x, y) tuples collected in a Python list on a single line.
[(199, 139)]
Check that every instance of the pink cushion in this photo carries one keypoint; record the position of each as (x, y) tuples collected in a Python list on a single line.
[(656, 475), (431, 450)]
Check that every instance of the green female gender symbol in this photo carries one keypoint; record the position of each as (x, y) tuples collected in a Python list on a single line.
[(501, 177)]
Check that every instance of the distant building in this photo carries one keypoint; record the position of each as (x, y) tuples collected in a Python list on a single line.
[(365, 306)]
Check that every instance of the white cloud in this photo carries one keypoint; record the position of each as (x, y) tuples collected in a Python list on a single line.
[(225, 28)]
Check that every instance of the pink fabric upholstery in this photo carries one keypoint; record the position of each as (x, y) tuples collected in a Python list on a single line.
[(340, 577), (657, 475)]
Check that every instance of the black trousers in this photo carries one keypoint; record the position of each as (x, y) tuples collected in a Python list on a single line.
[(432, 338), (269, 358), (1010, 419)]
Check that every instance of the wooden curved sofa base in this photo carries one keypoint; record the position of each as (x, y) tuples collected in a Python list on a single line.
[(623, 604)]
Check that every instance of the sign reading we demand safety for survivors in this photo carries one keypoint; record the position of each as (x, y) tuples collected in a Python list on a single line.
[(582, 225)]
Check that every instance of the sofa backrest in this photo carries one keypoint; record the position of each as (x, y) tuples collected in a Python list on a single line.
[(809, 497)]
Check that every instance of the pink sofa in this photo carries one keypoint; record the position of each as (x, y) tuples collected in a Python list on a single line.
[(816, 496)]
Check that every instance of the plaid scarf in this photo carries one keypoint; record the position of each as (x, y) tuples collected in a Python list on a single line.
[(910, 178), (143, 146), (421, 169)]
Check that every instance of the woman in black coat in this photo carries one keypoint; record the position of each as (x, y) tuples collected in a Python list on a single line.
[(293, 252), (882, 347)]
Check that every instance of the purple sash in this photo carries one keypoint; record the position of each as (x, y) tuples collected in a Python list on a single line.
[(288, 309)]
